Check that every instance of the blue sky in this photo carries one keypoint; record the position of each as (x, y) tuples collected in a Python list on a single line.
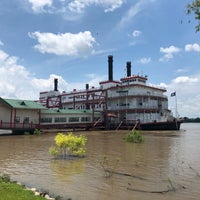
[(70, 40)]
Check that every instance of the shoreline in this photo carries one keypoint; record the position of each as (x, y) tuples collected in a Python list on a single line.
[(9, 187)]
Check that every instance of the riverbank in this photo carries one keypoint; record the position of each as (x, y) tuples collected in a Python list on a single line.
[(11, 190)]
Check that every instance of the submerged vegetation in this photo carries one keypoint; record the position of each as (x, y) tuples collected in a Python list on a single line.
[(68, 145), (134, 136), (35, 132), (107, 167)]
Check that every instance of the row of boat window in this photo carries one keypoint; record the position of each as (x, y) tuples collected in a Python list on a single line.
[(83, 106), (134, 80), (25, 120), (64, 119), (84, 96), (55, 120)]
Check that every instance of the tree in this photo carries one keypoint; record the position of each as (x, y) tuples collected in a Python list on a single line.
[(194, 8), (68, 145), (134, 136)]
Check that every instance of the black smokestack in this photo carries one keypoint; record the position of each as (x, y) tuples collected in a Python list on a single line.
[(86, 86), (128, 68), (110, 68), (55, 84)]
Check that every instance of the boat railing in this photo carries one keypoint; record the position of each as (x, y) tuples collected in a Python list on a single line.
[(14, 125), (127, 107)]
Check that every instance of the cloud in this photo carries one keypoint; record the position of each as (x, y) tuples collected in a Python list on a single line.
[(187, 94), (80, 5), (18, 83), (1, 43), (144, 60), (80, 44), (185, 79), (181, 70), (136, 33), (71, 8), (135, 9), (192, 47), (39, 5), (168, 52), (14, 77)]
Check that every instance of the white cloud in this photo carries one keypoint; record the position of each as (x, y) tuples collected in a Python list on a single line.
[(144, 60), (168, 52), (187, 94), (185, 79), (80, 44), (108, 5), (192, 47), (38, 5), (133, 11), (3, 56), (18, 83), (181, 70), (1, 43), (136, 33)]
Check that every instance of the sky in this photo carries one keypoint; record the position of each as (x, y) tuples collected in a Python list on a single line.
[(71, 39)]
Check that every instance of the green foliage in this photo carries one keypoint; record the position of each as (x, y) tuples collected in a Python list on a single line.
[(12, 191), (134, 137), (54, 151), (26, 133), (37, 132), (69, 145), (5, 178), (195, 120), (194, 8), (109, 167)]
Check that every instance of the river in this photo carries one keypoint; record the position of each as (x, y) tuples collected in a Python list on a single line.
[(167, 161)]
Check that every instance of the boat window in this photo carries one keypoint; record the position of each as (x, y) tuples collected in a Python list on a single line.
[(60, 119), (46, 120), (17, 119), (26, 120), (85, 119), (73, 119)]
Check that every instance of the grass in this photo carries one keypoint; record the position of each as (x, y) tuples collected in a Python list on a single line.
[(13, 191)]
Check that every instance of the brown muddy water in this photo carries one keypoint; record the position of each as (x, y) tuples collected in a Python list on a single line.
[(167, 161)]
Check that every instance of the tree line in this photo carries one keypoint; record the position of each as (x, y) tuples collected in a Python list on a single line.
[(194, 120)]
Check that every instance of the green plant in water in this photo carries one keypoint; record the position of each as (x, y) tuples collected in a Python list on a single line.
[(37, 132), (26, 133), (134, 136), (171, 184), (108, 168), (68, 145)]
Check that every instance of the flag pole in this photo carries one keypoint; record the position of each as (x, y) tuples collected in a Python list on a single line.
[(176, 105), (173, 94)]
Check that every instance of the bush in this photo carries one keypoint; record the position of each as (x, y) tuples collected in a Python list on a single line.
[(37, 132), (134, 137), (68, 145), (5, 178)]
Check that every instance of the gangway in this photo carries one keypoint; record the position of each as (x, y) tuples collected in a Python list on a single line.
[(119, 125)]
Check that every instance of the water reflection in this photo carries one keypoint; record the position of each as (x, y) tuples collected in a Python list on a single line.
[(66, 170), (165, 160)]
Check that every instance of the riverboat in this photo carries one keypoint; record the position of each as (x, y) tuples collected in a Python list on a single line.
[(124, 104)]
